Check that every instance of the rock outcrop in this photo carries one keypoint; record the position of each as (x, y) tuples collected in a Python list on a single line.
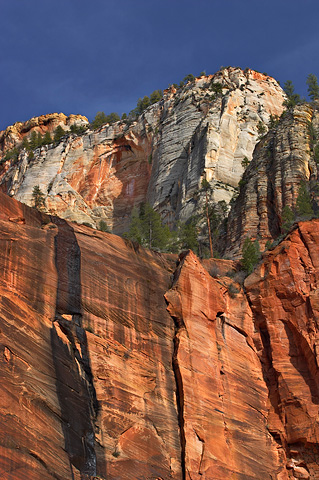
[(221, 392), (281, 161), (283, 293), (116, 363), (13, 135), (203, 130)]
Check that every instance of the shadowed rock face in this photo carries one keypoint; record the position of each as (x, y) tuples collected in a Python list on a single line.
[(284, 297), (119, 363), (281, 160)]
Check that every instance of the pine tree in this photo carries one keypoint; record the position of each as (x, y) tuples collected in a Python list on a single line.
[(251, 255), (156, 96), (187, 235), (303, 203), (313, 87), (99, 120), (156, 235), (59, 132), (112, 118), (47, 138), (142, 104), (147, 229), (25, 144), (205, 187), (287, 218), (38, 197), (293, 98), (33, 142), (135, 232), (189, 78)]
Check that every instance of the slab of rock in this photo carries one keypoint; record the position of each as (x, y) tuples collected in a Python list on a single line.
[(283, 293), (221, 391), (281, 160)]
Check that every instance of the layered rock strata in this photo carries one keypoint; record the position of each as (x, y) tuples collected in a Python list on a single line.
[(281, 160), (203, 130), (102, 375)]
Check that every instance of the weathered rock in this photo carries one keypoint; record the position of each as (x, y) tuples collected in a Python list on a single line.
[(74, 402), (282, 159), (283, 293), (192, 133), (12, 136), (99, 375), (221, 391)]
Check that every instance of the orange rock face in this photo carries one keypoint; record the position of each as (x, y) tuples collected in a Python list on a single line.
[(116, 363), (284, 297), (223, 397)]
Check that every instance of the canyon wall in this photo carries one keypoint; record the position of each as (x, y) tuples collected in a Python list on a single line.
[(117, 362), (203, 130), (281, 161)]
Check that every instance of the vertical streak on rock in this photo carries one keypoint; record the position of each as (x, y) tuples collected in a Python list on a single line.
[(179, 398), (74, 379)]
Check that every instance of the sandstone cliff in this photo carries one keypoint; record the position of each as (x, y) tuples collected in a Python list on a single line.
[(281, 161), (203, 130), (13, 135), (103, 376)]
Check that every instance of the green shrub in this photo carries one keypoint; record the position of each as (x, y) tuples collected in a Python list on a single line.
[(232, 290), (303, 203), (245, 162), (251, 255), (261, 129), (103, 226)]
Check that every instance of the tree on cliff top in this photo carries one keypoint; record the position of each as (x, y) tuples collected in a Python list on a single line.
[(313, 87), (99, 120), (59, 132), (293, 98)]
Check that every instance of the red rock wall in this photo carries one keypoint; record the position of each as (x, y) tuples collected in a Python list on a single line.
[(76, 403), (223, 397), (284, 297), (100, 375)]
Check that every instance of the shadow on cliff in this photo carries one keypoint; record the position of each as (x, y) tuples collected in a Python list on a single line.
[(303, 360), (74, 379)]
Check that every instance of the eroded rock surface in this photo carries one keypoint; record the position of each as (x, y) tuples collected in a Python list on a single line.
[(221, 390), (102, 375), (203, 130), (86, 351), (281, 160), (284, 297)]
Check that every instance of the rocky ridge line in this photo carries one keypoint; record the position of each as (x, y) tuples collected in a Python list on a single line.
[(281, 161), (203, 130)]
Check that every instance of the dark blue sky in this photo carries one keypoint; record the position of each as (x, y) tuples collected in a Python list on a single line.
[(77, 56)]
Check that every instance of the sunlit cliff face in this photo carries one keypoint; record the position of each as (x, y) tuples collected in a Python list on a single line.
[(203, 130)]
